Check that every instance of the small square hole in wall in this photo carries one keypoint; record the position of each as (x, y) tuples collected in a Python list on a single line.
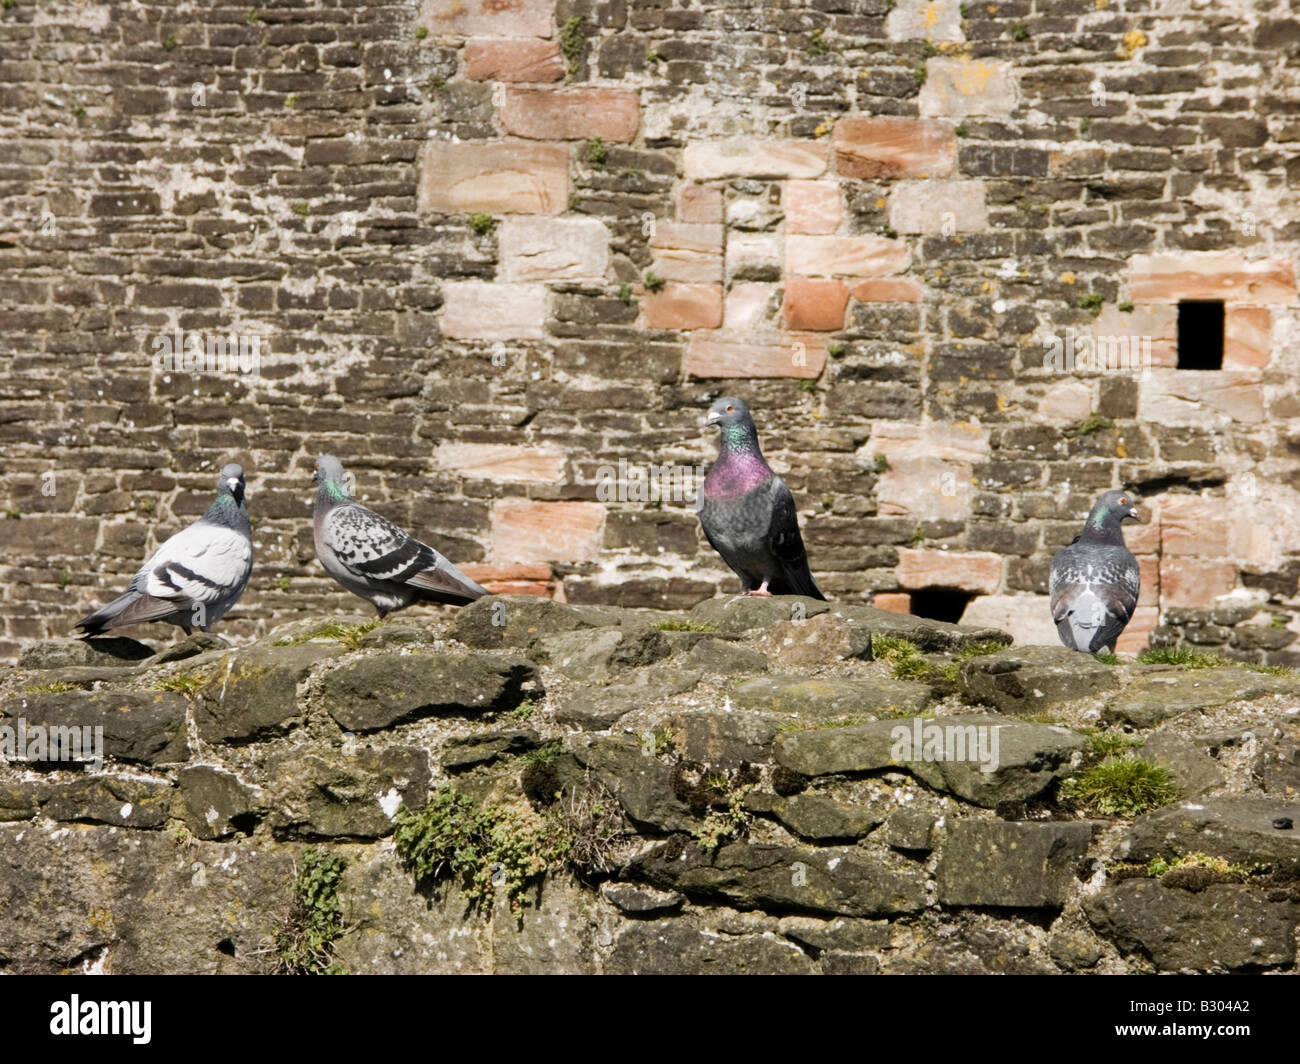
[(1200, 334), (940, 603)]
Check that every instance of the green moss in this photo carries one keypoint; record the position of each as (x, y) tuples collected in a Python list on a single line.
[(961, 129), (481, 847), (835, 348), (315, 920), (807, 385), (483, 224), (1085, 124), (1184, 657), (597, 153), (571, 45), (1093, 424), (1125, 306), (54, 688), (523, 711), (879, 464), (1102, 744), (1121, 786), (723, 825), (169, 42), (625, 294), (185, 682), (1219, 866), (1091, 301), (686, 626), (1106, 657), (919, 74), (653, 281), (544, 754), (301, 209), (817, 46), (890, 232), (1019, 31), (347, 634), (421, 32), (65, 577), (928, 49)]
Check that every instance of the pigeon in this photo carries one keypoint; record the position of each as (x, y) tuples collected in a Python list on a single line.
[(375, 559), (748, 514), (196, 576), (1095, 580)]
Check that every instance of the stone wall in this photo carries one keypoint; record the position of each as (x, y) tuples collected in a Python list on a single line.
[(720, 790), (482, 249)]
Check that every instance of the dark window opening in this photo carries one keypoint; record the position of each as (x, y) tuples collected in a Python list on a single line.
[(1200, 334), (940, 603)]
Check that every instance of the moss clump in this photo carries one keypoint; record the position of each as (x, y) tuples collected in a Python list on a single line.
[(1106, 657), (482, 224), (1093, 424), (723, 825), (1019, 31), (185, 682), (571, 43), (625, 294), (1102, 745), (481, 847), (1122, 786), (55, 688), (653, 281), (347, 634), (544, 754), (1183, 657), (1091, 302), (315, 920), (686, 626), (1223, 870), (597, 153)]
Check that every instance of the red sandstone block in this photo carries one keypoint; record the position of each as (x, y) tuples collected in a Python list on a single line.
[(1247, 337), (1193, 525), (501, 18), (513, 60), (844, 256), (894, 147), (529, 532), (893, 602), (681, 306), (1193, 582), (700, 204), (571, 114), (889, 290), (979, 571), (512, 579), (812, 207), (686, 252), (815, 304), (724, 354), (713, 160), (502, 177), (1138, 633), (1167, 278)]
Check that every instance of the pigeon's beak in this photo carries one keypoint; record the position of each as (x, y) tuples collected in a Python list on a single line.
[(232, 484), (1134, 514), (712, 418)]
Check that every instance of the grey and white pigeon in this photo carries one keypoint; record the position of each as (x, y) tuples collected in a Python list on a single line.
[(748, 513), (1095, 580), (375, 559), (196, 576)]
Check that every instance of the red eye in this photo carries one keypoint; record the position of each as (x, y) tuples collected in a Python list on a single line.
[(730, 409), (1123, 501)]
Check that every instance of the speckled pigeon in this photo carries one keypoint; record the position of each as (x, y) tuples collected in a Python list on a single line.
[(196, 576), (375, 559), (747, 512), (1095, 580)]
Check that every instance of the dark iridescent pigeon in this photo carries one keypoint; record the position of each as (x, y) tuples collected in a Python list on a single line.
[(196, 576), (375, 559), (748, 514), (1095, 580)]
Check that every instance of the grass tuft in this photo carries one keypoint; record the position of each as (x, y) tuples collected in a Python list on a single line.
[(1122, 786)]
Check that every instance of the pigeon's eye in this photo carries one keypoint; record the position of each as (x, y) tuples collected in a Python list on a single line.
[(730, 409), (1123, 501)]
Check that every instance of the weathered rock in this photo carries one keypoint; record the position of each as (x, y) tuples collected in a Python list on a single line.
[(334, 794), (594, 709), (909, 830), (397, 635), (820, 640), (253, 694), (636, 899), (20, 801), (738, 614), (481, 747), (1163, 693), (191, 647), (1277, 767), (821, 818), (142, 726), (557, 935), (835, 962), (819, 699), (930, 636), (520, 620), (1028, 756), (718, 657), (722, 739), (216, 804), (1193, 769), (1027, 679), (391, 688), (1021, 865), (121, 801), (840, 880), (641, 782), (682, 946), (1224, 926), (1074, 950), (598, 656), (152, 901), (1240, 830), (103, 650), (845, 934)]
